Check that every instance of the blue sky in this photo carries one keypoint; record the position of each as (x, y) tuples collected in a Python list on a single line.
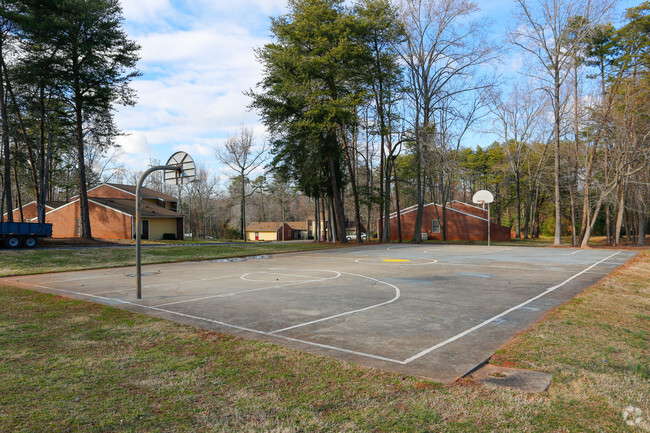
[(196, 60)]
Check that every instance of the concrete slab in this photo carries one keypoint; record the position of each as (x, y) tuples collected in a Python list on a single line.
[(514, 378), (435, 311)]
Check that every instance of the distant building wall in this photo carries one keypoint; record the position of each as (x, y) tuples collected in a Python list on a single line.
[(160, 226), (262, 236), (460, 225)]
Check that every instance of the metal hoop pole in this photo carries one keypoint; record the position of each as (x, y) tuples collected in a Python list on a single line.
[(138, 226)]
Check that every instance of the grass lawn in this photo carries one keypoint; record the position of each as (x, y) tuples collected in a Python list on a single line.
[(24, 261), (68, 365)]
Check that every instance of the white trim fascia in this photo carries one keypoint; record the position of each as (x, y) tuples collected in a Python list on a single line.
[(34, 201), (468, 214), (467, 204), (394, 214), (410, 209), (114, 187), (18, 208)]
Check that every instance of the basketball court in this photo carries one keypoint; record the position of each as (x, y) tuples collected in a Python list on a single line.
[(436, 311)]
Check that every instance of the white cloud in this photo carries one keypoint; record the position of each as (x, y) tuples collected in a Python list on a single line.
[(134, 143), (192, 88), (196, 149), (140, 11)]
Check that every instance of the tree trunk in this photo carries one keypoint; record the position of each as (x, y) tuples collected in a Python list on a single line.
[(19, 203), (586, 205), (518, 186), (5, 142), (574, 239), (556, 174), (242, 215), (355, 191), (81, 160), (642, 223), (590, 227), (40, 199), (325, 232), (386, 198), (337, 205), (620, 214), (417, 237), (30, 152), (398, 215)]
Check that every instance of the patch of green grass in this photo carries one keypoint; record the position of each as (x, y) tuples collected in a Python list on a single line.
[(23, 261)]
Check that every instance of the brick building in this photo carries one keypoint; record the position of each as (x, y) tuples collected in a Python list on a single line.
[(464, 222), (112, 214)]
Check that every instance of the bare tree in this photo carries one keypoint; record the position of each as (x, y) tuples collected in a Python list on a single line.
[(543, 29), (241, 155), (516, 119), (444, 44)]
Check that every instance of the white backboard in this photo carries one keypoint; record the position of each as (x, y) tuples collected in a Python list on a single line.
[(186, 171), (483, 196)]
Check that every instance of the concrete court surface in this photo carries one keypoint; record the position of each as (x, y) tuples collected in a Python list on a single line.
[(430, 310)]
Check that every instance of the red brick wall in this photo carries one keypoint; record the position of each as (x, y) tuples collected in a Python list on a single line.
[(64, 220), (109, 224), (106, 191), (464, 207), (29, 211), (288, 233), (104, 223), (459, 226)]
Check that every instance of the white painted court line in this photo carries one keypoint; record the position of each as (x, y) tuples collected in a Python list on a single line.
[(397, 296), (228, 325), (225, 295), (245, 276), (518, 268), (498, 316)]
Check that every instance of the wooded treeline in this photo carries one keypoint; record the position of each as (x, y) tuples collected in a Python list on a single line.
[(371, 107), (64, 64), (372, 103)]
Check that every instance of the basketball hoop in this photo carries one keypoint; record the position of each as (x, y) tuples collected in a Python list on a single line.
[(178, 170)]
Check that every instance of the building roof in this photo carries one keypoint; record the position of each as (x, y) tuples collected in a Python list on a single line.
[(54, 204), (264, 227), (298, 225), (146, 192), (127, 206)]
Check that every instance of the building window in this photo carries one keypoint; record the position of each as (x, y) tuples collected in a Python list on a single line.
[(435, 226), (78, 228)]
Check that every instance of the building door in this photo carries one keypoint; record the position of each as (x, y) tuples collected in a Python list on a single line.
[(257, 236), (145, 229)]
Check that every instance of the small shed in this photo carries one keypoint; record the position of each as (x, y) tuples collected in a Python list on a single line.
[(300, 229), (268, 231)]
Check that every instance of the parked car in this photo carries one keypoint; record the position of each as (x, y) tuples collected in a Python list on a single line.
[(353, 237)]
